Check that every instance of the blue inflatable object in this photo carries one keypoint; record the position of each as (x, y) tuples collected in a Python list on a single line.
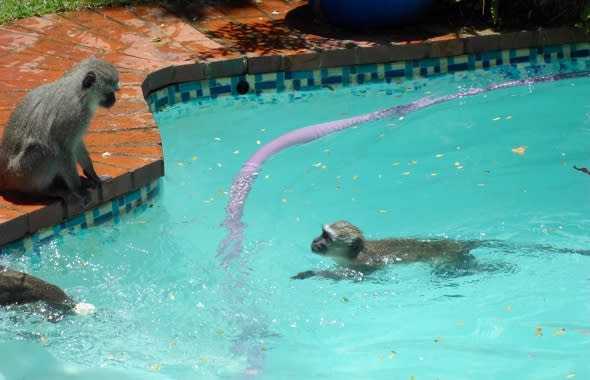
[(367, 14)]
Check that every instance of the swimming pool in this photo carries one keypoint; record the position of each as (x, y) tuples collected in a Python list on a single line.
[(492, 166)]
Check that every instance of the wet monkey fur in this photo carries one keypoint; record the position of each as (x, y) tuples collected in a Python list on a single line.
[(357, 256), (19, 288), (43, 140)]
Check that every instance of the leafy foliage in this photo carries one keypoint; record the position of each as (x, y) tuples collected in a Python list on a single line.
[(13, 9), (520, 13)]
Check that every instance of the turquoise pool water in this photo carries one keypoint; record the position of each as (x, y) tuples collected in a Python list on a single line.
[(493, 166)]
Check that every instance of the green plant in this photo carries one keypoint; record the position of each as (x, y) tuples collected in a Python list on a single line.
[(521, 13), (584, 22)]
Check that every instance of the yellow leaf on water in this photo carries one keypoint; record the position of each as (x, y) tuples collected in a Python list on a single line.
[(521, 150), (154, 368), (538, 331)]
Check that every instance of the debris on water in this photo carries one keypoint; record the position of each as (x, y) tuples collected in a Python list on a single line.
[(560, 331), (521, 150)]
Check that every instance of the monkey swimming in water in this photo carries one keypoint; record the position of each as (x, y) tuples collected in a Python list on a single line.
[(358, 257), (43, 140), (18, 288)]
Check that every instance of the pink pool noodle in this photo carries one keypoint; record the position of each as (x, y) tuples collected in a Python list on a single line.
[(242, 183)]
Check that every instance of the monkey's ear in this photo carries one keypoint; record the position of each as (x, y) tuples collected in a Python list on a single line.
[(89, 80)]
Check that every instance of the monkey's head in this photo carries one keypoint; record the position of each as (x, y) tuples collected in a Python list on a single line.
[(340, 240), (100, 81)]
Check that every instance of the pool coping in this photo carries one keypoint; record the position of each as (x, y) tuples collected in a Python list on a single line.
[(24, 226), (487, 41)]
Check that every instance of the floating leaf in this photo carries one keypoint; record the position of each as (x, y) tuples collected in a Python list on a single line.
[(345, 299), (154, 368), (496, 118), (538, 331), (521, 150), (559, 332)]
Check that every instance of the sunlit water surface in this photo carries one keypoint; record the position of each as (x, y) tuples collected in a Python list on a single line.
[(493, 166)]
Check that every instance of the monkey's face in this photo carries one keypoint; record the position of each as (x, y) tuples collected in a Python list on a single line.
[(340, 240), (101, 81), (108, 100)]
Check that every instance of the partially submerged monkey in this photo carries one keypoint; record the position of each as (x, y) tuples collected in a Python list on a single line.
[(357, 256), (18, 288), (43, 140)]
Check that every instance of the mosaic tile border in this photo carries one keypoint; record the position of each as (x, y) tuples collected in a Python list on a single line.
[(110, 211), (281, 81)]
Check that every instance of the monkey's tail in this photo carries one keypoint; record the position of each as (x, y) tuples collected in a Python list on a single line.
[(520, 247)]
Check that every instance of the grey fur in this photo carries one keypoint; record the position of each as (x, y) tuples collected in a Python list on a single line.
[(43, 140), (20, 288), (357, 256)]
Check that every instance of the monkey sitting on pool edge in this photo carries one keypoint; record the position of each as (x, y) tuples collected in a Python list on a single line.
[(357, 257), (43, 140), (18, 288)]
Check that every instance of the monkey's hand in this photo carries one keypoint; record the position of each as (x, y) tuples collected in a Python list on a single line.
[(92, 182), (304, 275)]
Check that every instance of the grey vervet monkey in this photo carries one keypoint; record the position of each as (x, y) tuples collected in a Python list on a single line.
[(357, 256), (43, 140), (18, 288)]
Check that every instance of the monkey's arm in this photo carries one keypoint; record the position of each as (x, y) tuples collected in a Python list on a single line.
[(88, 168), (338, 273)]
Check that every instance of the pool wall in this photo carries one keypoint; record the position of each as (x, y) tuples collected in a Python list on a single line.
[(105, 213), (526, 60), (523, 62)]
